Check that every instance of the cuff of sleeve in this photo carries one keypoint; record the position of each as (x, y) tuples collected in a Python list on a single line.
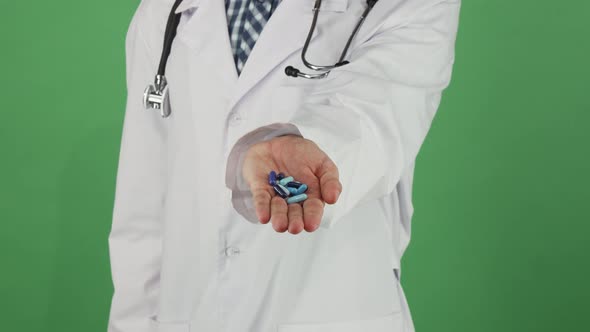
[(241, 195)]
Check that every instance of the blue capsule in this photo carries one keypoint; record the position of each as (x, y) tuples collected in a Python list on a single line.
[(301, 189), (296, 199), (292, 190), (294, 184), (272, 178), (281, 190), (280, 176), (286, 180)]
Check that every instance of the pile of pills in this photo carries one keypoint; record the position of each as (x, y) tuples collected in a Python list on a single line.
[(287, 187)]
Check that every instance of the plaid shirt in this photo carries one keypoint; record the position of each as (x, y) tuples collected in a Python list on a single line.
[(246, 18)]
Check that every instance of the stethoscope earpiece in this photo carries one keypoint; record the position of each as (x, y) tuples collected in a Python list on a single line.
[(292, 71)]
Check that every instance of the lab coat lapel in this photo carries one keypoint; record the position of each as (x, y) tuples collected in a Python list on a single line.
[(282, 35), (207, 28)]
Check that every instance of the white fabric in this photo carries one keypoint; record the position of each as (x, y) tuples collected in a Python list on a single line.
[(187, 253)]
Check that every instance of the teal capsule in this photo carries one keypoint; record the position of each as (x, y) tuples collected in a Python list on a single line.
[(293, 191), (286, 180), (295, 184), (296, 199), (299, 190)]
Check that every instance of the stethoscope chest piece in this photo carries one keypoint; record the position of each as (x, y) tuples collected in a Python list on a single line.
[(156, 96)]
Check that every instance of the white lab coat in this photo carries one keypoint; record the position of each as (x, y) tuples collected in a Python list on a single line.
[(187, 252)]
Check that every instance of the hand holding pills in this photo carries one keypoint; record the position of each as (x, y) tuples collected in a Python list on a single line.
[(291, 179)]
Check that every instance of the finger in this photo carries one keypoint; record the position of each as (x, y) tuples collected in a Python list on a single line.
[(295, 215), (278, 211), (313, 210), (261, 198), (330, 185)]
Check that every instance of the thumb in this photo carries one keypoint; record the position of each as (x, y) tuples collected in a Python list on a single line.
[(330, 185)]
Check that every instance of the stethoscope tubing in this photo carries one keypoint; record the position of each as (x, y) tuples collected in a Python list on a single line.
[(291, 71), (169, 35), (341, 61)]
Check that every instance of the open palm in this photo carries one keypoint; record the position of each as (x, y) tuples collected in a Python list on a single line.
[(302, 159)]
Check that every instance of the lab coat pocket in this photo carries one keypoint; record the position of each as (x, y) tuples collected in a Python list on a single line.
[(158, 326), (388, 323)]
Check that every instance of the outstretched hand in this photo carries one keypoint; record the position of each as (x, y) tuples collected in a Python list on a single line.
[(302, 159)]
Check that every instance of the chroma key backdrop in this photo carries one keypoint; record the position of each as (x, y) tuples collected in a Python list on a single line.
[(501, 192)]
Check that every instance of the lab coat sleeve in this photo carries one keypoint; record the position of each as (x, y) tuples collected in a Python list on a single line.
[(135, 236), (372, 115)]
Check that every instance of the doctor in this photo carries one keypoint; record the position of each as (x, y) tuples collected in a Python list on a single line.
[(199, 241)]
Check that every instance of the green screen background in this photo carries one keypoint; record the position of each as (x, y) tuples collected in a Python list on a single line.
[(501, 196)]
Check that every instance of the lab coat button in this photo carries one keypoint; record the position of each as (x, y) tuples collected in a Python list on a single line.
[(231, 251), (235, 119)]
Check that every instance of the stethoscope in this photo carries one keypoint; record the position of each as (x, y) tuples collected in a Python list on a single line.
[(156, 95)]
